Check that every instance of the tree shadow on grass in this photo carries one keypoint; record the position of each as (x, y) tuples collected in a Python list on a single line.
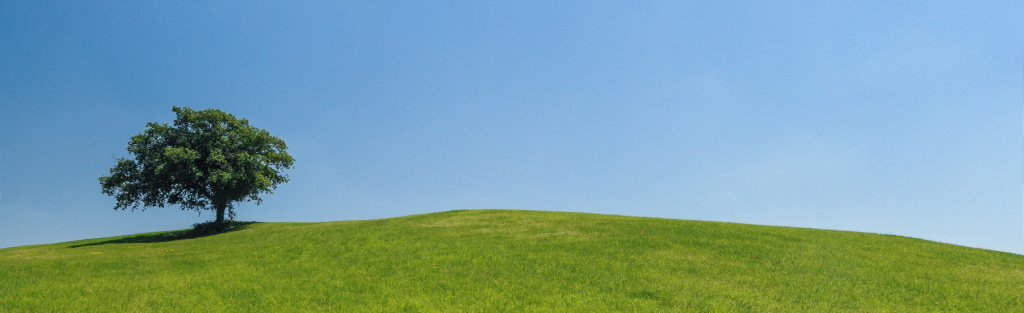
[(197, 231)]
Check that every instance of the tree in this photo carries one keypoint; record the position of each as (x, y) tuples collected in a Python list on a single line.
[(207, 160)]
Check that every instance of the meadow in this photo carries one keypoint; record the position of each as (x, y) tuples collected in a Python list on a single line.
[(510, 261)]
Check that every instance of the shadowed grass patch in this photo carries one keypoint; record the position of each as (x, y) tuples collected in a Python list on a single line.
[(198, 230)]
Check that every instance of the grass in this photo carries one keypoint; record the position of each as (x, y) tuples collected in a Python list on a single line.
[(510, 261)]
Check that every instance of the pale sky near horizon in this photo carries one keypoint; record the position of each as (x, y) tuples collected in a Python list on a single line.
[(893, 117)]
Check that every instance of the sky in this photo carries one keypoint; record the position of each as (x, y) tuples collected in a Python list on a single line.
[(891, 117)]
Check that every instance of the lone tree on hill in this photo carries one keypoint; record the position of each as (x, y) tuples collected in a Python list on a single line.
[(206, 161)]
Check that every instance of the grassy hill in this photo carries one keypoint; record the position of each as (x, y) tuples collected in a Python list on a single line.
[(498, 261)]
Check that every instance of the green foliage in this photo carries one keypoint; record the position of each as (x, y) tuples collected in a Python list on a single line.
[(511, 261), (206, 160)]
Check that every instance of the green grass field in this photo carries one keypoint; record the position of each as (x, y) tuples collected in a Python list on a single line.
[(510, 261)]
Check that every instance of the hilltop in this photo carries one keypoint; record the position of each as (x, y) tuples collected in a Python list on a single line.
[(503, 260)]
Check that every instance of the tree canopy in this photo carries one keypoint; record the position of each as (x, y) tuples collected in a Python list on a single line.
[(206, 160)]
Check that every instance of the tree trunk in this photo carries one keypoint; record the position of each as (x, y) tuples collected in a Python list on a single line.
[(220, 212)]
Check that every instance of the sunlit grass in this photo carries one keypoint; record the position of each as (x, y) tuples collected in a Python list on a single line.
[(496, 260)]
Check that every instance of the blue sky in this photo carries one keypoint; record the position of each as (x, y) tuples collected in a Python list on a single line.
[(895, 117)]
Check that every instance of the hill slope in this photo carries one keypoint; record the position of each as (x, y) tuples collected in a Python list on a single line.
[(497, 260)]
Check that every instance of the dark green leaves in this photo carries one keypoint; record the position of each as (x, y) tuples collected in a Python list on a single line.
[(207, 160)]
